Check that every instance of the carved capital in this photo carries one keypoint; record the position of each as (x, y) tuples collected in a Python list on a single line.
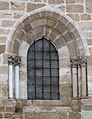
[(10, 60), (78, 61), (17, 60)]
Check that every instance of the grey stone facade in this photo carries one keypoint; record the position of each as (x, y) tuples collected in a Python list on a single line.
[(68, 24)]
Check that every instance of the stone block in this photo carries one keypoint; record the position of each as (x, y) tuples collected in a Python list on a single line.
[(74, 8), (3, 39), (1, 115), (19, 6), (32, 6), (6, 15), (10, 109), (62, 8), (4, 31), (53, 35), (4, 5), (50, 23), (65, 90), (2, 48), (3, 70), (2, 108), (17, 15), (85, 17), (87, 25), (75, 105), (59, 42), (74, 115), (16, 46), (7, 115), (89, 59), (8, 23), (88, 6), (67, 36), (74, 1), (86, 114), (18, 107), (29, 115), (55, 1), (74, 17)]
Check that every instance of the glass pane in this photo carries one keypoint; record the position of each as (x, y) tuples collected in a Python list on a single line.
[(30, 56), (31, 95), (31, 63), (47, 88), (46, 96), (38, 55), (46, 72), (54, 72), (38, 45), (46, 55), (46, 45), (54, 80), (46, 64), (54, 56), (54, 64), (39, 63), (46, 80)]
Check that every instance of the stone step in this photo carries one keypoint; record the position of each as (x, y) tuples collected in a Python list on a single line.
[(46, 109), (50, 103)]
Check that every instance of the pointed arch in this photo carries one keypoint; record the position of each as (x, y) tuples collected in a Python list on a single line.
[(42, 71)]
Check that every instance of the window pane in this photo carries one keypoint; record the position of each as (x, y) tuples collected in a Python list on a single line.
[(42, 71)]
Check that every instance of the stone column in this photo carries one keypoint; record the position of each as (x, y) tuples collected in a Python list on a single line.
[(17, 61), (10, 76)]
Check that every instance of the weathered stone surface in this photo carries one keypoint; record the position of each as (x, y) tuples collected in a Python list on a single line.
[(17, 15), (1, 115), (86, 114), (56, 1), (75, 105), (6, 15), (10, 109), (4, 5), (88, 4), (4, 31), (75, 8), (8, 23), (62, 8), (74, 115), (17, 6), (16, 46), (74, 17), (2, 108), (87, 25), (2, 48), (3, 39), (33, 6), (65, 90), (18, 107), (85, 17), (7, 115), (3, 70), (74, 1)]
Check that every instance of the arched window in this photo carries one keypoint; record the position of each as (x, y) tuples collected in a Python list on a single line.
[(42, 71)]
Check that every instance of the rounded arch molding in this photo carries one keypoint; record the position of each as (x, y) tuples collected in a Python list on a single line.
[(51, 24)]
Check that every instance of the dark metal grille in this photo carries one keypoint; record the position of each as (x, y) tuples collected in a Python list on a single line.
[(42, 71)]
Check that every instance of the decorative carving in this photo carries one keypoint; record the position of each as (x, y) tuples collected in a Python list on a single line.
[(17, 60), (10, 60), (78, 61), (14, 60)]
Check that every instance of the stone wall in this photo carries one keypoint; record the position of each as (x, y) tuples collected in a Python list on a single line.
[(79, 12)]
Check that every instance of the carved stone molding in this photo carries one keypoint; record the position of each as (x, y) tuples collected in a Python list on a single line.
[(10, 60), (17, 60)]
